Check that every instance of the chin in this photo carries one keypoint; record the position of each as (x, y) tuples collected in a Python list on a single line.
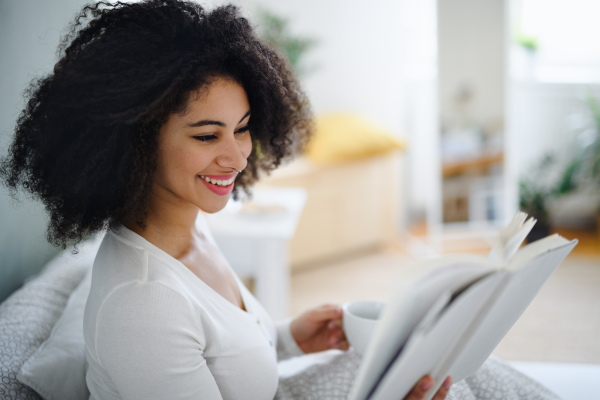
[(214, 206)]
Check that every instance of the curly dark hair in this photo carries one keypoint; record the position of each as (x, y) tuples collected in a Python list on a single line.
[(86, 142)]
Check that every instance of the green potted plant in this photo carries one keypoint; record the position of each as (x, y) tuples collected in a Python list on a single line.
[(275, 30), (580, 174), (527, 42), (535, 194), (589, 157), (591, 152)]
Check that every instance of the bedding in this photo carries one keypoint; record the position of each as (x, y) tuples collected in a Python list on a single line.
[(330, 376)]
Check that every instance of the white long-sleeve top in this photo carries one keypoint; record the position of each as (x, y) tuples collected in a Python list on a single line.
[(154, 330)]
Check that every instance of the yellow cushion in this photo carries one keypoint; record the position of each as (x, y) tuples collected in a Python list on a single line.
[(345, 137)]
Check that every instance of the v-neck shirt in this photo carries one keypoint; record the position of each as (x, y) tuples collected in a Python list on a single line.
[(155, 330)]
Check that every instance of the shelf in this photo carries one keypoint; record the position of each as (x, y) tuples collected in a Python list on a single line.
[(459, 168)]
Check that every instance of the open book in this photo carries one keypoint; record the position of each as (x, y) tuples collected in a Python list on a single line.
[(449, 319)]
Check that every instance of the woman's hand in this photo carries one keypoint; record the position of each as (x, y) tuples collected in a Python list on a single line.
[(419, 391), (320, 329)]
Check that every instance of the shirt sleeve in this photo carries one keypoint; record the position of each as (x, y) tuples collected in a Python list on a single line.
[(151, 344), (286, 344)]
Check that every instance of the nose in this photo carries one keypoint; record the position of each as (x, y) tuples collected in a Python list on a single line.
[(233, 153)]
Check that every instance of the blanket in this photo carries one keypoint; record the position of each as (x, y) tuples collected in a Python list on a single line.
[(333, 380)]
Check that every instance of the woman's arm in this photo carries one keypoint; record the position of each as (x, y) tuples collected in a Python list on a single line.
[(286, 344), (150, 342)]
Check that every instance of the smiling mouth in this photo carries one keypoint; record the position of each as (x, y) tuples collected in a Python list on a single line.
[(218, 182)]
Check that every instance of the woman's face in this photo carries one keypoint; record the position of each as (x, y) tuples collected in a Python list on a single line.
[(200, 151)]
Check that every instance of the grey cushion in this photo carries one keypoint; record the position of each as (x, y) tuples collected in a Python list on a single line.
[(29, 314)]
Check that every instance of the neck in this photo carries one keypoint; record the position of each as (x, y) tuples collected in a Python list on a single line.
[(170, 224)]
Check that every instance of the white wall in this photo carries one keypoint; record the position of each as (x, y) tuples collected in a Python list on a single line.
[(359, 55), (29, 35), (420, 71), (471, 52), (376, 59)]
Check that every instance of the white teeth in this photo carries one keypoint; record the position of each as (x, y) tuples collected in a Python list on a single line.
[(218, 182)]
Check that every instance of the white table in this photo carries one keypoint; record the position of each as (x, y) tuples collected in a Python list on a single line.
[(254, 237)]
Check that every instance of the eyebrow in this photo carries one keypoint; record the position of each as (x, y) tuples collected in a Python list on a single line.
[(205, 122)]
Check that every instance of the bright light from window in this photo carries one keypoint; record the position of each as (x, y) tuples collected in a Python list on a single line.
[(568, 32)]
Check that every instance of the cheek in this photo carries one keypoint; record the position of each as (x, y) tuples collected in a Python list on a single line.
[(194, 162), (163, 166), (246, 146), (180, 163)]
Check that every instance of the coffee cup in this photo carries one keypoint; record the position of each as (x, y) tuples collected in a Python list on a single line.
[(359, 321)]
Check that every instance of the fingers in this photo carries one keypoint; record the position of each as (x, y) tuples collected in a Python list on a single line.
[(337, 336), (337, 340), (419, 391), (326, 311), (335, 323), (343, 345), (443, 391)]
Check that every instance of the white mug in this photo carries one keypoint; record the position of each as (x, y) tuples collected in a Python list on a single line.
[(359, 321)]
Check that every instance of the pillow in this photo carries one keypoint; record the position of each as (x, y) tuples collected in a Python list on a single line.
[(57, 369), (344, 137), (26, 319)]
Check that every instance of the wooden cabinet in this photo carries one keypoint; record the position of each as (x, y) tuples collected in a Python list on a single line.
[(350, 207)]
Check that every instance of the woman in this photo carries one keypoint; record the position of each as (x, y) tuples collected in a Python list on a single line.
[(155, 113)]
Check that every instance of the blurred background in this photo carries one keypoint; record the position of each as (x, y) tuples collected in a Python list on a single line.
[(436, 122)]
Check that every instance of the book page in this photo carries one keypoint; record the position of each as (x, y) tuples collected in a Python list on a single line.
[(535, 249), (522, 286), (510, 238), (411, 300), (431, 344), (514, 242)]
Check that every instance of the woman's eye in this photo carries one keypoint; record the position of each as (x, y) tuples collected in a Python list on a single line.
[(244, 129), (205, 138)]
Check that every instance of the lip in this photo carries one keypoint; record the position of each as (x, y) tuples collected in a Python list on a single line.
[(220, 190)]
